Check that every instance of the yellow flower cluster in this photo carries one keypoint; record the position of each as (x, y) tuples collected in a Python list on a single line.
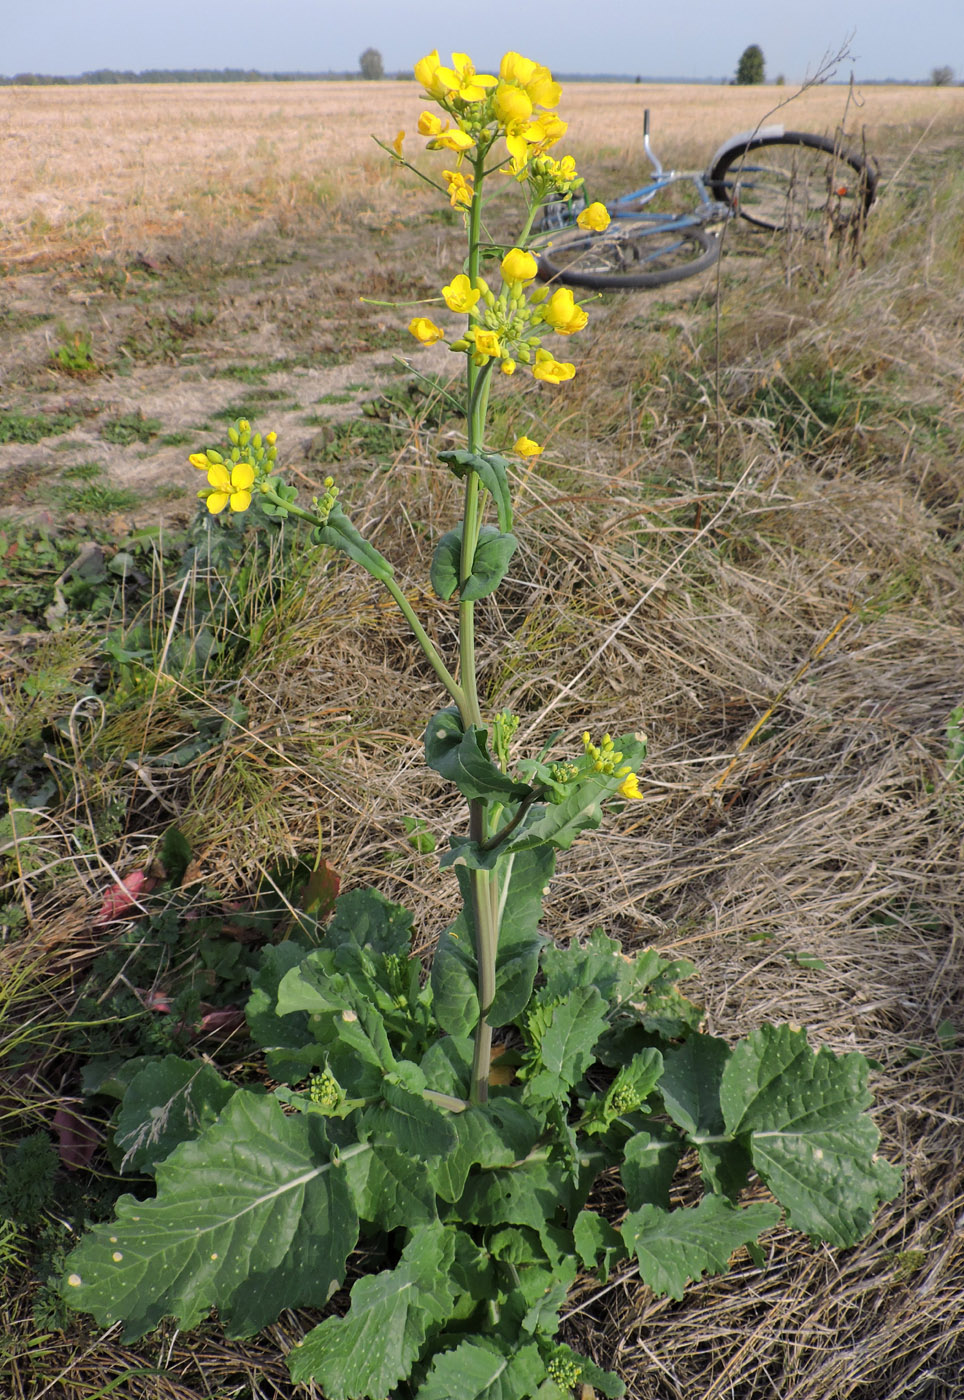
[(231, 481), (508, 327), (517, 105), (606, 759)]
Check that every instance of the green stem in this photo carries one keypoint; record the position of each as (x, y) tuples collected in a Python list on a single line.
[(404, 606), (484, 884)]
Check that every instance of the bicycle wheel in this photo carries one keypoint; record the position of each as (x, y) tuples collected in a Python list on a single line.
[(630, 254), (794, 182)]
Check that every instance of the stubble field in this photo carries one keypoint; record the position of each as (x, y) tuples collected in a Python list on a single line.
[(749, 507)]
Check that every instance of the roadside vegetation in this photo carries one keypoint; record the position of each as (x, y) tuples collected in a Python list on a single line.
[(745, 536)]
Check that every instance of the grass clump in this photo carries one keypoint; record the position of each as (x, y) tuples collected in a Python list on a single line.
[(34, 427)]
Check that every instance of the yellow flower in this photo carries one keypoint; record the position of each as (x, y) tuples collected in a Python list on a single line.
[(459, 188), (454, 140), (562, 313), (551, 127), (462, 81), (230, 488), (487, 344), (397, 143), (535, 79), (595, 217), (511, 104), (426, 73), (630, 788), (507, 366), (426, 332), (460, 295), (519, 266), (526, 447), (430, 125), (199, 460), (550, 371)]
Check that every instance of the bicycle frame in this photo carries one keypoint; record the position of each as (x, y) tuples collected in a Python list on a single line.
[(561, 214)]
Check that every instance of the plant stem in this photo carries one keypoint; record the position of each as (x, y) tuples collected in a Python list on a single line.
[(484, 884)]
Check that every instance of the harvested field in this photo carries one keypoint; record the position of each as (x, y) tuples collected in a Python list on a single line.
[(746, 535)]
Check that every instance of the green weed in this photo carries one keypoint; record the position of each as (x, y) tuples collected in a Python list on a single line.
[(25, 427), (75, 354), (129, 428)]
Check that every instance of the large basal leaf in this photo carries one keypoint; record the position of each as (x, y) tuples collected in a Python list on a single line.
[(800, 1114), (462, 757), (388, 1190), (491, 469), (251, 1217), (369, 1350), (167, 1103), (496, 1135), (675, 1247), (406, 1121)]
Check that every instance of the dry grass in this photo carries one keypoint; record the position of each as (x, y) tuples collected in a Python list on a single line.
[(118, 166), (700, 549)]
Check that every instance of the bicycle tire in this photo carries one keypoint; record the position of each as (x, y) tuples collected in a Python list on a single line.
[(793, 182), (628, 256)]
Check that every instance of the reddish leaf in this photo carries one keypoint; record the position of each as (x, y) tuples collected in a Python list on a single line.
[(122, 897), (321, 889)]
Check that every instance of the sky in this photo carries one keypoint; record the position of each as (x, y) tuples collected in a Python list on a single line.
[(701, 39)]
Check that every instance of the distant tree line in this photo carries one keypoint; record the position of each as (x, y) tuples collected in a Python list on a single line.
[(172, 75)]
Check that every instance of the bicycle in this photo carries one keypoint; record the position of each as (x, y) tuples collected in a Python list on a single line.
[(789, 181)]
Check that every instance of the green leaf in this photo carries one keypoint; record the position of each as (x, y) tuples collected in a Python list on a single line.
[(530, 1194), (446, 562), (280, 1036), (367, 1352), (598, 1245), (491, 469), (366, 919), (343, 1019), (691, 1092), (341, 534), (690, 1084), (462, 757), (674, 1247), (565, 1046), (168, 1102), (489, 564), (387, 1191), (409, 1123), (523, 880), (800, 1114), (478, 1370), (175, 855), (648, 1166), (496, 1135), (251, 1217)]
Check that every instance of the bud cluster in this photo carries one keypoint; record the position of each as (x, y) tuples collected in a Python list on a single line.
[(564, 1370), (322, 506), (325, 1091)]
